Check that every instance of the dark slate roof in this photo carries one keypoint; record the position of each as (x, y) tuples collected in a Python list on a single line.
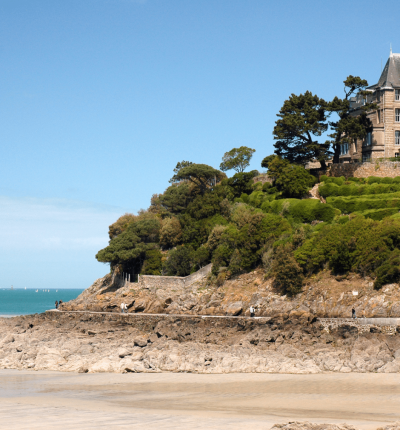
[(390, 76)]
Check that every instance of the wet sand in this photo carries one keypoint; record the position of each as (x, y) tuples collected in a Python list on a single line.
[(47, 400)]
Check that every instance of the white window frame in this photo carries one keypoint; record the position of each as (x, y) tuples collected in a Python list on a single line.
[(397, 95), (397, 137), (397, 115)]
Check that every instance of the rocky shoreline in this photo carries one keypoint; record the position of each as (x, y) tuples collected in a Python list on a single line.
[(86, 342)]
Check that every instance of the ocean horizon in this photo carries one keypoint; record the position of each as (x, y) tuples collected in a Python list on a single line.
[(21, 301)]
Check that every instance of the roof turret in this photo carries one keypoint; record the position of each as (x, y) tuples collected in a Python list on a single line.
[(390, 77)]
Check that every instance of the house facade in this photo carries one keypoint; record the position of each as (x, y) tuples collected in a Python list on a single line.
[(384, 140)]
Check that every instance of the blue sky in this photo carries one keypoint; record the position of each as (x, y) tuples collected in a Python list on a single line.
[(99, 99)]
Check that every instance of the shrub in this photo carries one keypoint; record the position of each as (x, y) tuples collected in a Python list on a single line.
[(294, 181), (266, 186), (303, 211), (221, 258), (324, 178), (373, 180), (179, 261), (287, 272), (245, 197), (152, 263), (379, 214), (389, 272), (256, 199), (235, 262)]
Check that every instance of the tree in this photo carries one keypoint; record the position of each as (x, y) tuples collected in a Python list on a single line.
[(275, 165), (201, 175), (294, 181), (170, 233), (120, 225), (179, 261), (129, 249), (348, 127), (180, 165), (237, 159), (241, 182), (301, 119)]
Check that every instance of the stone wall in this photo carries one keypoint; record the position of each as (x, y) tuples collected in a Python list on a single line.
[(383, 169), (262, 178), (389, 326), (152, 282)]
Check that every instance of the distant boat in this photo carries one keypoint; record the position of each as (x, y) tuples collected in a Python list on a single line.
[(36, 291), (56, 291), (25, 288), (12, 287)]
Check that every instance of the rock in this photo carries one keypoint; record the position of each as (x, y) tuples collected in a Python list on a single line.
[(234, 309), (123, 352), (140, 341), (294, 425), (392, 426)]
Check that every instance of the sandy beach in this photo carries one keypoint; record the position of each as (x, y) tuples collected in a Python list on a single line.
[(46, 400)]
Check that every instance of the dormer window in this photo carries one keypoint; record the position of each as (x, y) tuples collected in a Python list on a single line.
[(397, 95)]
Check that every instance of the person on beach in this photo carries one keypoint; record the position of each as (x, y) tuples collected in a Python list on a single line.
[(353, 313), (252, 311), (56, 304)]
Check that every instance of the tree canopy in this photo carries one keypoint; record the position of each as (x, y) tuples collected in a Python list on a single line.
[(302, 119), (201, 175), (237, 159), (348, 127)]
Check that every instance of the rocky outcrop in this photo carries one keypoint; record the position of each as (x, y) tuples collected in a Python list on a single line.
[(164, 343), (295, 425), (323, 295)]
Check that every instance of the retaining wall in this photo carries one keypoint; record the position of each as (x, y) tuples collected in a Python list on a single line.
[(155, 282), (384, 169)]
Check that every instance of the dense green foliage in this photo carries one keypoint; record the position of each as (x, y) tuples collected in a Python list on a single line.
[(238, 225), (301, 121), (237, 159)]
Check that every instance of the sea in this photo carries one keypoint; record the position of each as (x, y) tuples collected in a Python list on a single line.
[(32, 301)]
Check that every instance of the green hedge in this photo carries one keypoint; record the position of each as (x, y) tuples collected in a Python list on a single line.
[(379, 214), (330, 189), (303, 211), (362, 204)]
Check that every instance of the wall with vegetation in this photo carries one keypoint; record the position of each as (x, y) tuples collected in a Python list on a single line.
[(382, 169)]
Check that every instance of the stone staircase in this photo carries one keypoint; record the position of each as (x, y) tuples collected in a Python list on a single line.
[(314, 193)]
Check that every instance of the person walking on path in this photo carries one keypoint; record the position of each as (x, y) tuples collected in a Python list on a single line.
[(56, 304), (123, 307), (252, 311), (353, 313)]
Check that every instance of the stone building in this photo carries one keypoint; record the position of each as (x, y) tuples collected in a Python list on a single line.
[(384, 141)]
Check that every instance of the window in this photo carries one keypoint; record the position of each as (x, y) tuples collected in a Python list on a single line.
[(355, 145), (366, 157), (397, 137), (397, 155), (397, 115), (344, 148), (368, 139), (397, 95)]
